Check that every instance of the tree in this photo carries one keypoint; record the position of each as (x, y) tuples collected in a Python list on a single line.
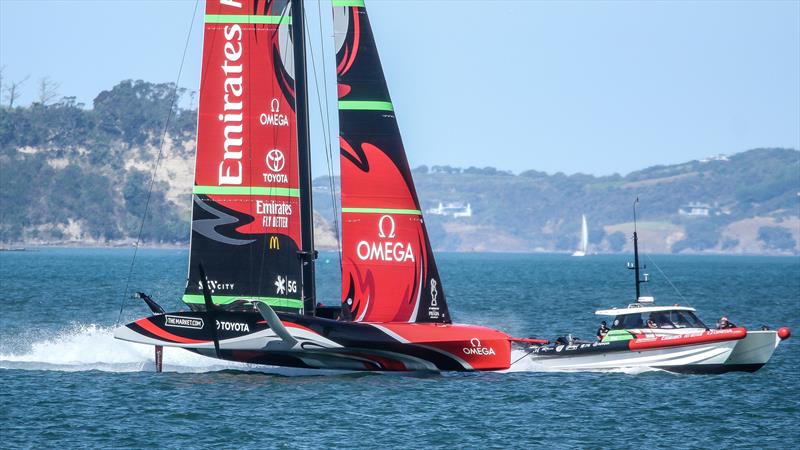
[(776, 238), (13, 91), (48, 90)]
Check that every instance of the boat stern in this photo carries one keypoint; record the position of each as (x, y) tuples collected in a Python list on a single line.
[(755, 350)]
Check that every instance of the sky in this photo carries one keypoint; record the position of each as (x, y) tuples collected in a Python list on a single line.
[(591, 87)]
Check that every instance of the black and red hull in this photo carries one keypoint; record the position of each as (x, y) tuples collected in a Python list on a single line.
[(325, 343)]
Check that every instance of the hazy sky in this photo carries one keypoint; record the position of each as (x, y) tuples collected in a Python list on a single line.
[(593, 87)]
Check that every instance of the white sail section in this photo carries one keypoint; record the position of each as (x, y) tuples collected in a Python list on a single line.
[(584, 238)]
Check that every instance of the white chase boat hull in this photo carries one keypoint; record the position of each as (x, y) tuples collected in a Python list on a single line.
[(700, 358)]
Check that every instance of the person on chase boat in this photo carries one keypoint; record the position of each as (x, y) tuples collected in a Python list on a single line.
[(724, 323), (602, 331)]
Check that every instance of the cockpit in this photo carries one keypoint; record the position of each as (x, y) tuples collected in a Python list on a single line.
[(657, 319)]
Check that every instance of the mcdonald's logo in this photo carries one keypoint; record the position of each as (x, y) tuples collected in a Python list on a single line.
[(274, 243)]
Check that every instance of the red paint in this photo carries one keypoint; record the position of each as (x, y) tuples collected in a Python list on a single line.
[(729, 334), (299, 327), (482, 348), (385, 288), (530, 340), (242, 81), (343, 89), (356, 39), (164, 334)]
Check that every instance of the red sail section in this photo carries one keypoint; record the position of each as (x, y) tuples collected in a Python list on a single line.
[(389, 273), (246, 217)]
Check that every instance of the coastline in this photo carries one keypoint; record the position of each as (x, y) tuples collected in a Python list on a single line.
[(33, 246)]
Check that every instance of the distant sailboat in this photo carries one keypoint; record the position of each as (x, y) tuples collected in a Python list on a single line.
[(584, 238)]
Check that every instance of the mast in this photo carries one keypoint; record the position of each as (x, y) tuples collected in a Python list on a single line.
[(635, 265), (307, 254)]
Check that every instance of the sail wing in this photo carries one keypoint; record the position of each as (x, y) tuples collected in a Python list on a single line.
[(389, 272), (246, 215), (584, 234)]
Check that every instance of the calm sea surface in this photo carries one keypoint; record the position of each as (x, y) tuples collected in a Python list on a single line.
[(65, 382)]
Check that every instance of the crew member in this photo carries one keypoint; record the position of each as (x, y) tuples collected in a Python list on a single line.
[(651, 323), (724, 323), (602, 331)]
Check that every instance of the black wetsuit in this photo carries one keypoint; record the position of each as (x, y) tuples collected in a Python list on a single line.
[(602, 331)]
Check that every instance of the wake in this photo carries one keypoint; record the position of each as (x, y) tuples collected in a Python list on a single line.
[(93, 347)]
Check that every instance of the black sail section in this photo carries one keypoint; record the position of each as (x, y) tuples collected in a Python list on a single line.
[(389, 271)]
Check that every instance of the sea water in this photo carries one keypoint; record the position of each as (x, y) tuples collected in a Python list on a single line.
[(65, 382)]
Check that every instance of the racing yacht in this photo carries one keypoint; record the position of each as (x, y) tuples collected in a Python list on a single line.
[(672, 338), (251, 283)]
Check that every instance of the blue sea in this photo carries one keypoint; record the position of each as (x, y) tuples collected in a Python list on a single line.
[(65, 382)]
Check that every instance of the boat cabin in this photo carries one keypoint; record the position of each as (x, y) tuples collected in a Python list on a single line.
[(662, 318)]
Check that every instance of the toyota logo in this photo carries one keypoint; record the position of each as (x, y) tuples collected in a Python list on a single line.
[(275, 160)]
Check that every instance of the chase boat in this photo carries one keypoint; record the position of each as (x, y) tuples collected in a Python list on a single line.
[(672, 338)]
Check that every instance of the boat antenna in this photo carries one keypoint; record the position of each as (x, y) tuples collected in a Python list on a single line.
[(307, 254), (635, 265)]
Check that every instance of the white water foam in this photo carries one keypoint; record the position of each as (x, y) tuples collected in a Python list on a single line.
[(93, 347)]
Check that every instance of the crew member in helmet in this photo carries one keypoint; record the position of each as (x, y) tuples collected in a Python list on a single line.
[(724, 323), (602, 331)]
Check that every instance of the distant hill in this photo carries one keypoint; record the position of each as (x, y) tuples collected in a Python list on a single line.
[(74, 175)]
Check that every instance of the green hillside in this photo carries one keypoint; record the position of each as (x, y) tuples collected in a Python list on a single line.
[(69, 174)]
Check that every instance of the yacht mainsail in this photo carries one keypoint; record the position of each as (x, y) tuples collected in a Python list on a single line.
[(584, 238), (252, 228), (246, 227), (389, 273)]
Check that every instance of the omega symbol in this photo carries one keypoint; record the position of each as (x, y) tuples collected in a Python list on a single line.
[(382, 227)]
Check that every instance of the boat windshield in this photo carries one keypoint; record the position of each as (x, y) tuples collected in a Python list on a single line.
[(659, 319), (685, 319)]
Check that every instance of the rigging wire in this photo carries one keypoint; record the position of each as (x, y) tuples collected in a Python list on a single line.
[(668, 280), (326, 125), (158, 161), (523, 356)]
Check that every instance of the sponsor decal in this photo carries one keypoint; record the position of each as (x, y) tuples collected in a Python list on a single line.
[(386, 249), (274, 243), (274, 118), (230, 168), (274, 213), (477, 349), (285, 286), (275, 160), (194, 323), (214, 285), (232, 326), (275, 163), (433, 310)]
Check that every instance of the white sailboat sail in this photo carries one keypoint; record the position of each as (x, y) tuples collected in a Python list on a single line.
[(584, 238)]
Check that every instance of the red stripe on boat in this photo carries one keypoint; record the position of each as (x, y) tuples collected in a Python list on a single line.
[(294, 325), (729, 334), (153, 328)]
